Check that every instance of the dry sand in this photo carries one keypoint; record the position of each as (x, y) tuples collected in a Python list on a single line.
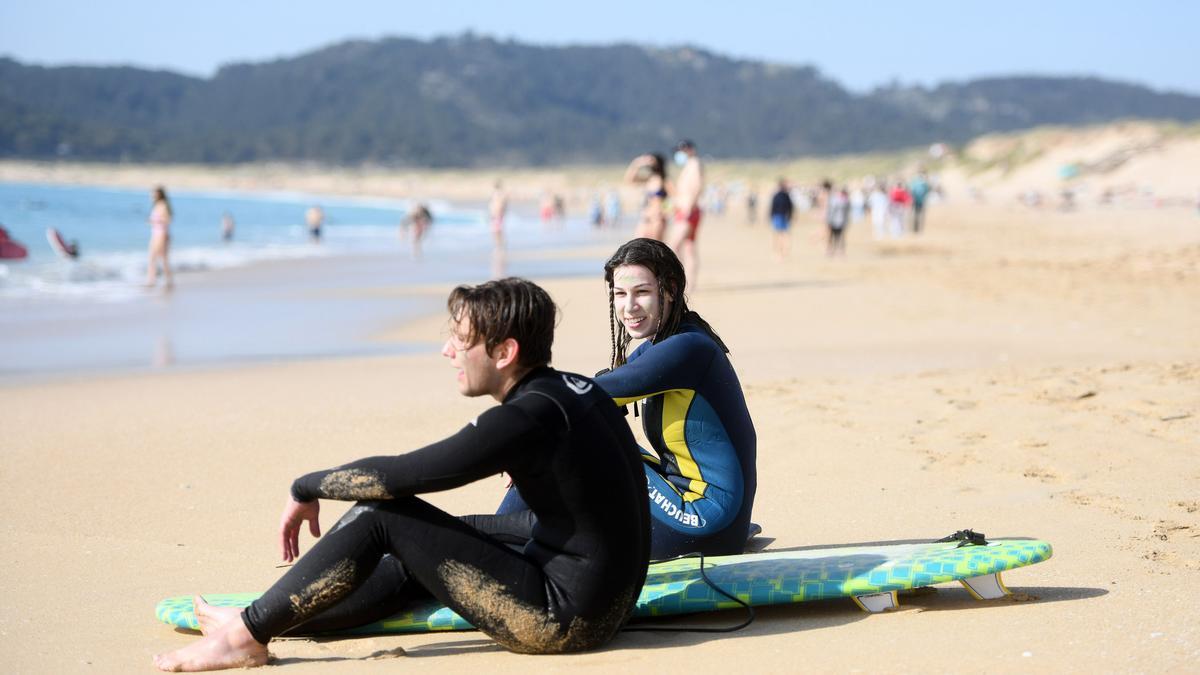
[(1017, 372)]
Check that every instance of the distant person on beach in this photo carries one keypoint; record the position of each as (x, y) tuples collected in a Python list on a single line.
[(612, 208), (497, 210), (837, 218), (918, 190), (596, 211), (858, 204), (752, 206), (546, 209), (781, 220), (686, 198), (899, 201), (419, 221), (227, 226), (69, 250), (650, 172), (314, 217), (563, 576), (160, 239), (702, 479), (879, 204)]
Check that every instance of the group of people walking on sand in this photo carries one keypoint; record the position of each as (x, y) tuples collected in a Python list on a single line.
[(560, 565), (892, 203), (842, 205)]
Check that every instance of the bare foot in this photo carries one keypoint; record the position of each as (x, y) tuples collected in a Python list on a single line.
[(230, 646), (210, 617)]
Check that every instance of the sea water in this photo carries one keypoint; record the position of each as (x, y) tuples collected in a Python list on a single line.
[(269, 293), (111, 228)]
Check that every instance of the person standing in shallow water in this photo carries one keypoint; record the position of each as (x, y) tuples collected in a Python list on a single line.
[(227, 226), (160, 239), (419, 221), (314, 219), (497, 211), (566, 585)]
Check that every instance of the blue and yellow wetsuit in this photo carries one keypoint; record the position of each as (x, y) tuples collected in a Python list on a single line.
[(702, 483)]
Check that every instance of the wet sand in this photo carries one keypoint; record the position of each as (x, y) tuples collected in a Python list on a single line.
[(1018, 372)]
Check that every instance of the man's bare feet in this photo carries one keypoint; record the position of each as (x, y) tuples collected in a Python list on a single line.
[(229, 646), (211, 617)]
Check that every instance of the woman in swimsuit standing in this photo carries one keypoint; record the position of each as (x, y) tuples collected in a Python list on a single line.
[(650, 171), (160, 238)]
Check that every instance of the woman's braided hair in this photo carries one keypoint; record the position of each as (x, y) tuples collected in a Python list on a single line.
[(668, 271)]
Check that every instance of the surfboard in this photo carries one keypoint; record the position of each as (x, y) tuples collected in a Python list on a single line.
[(60, 245), (871, 574)]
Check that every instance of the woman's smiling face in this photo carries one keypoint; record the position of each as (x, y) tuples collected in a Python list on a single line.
[(636, 300)]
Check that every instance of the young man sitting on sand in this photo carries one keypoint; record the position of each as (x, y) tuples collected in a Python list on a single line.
[(566, 584)]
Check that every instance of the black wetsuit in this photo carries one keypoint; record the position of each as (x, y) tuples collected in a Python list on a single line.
[(561, 577)]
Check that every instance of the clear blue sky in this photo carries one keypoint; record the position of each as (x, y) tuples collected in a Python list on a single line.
[(859, 44)]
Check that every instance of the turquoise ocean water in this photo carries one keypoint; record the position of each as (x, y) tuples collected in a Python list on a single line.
[(269, 294)]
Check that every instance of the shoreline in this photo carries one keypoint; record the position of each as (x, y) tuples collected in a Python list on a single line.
[(276, 311)]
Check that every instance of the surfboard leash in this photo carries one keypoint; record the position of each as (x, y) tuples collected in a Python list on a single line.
[(701, 629)]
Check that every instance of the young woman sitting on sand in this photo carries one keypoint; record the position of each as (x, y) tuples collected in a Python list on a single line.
[(702, 476)]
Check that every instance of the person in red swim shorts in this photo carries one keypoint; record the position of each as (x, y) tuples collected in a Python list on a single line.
[(687, 209)]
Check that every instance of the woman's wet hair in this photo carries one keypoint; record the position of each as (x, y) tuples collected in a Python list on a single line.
[(507, 308), (672, 280)]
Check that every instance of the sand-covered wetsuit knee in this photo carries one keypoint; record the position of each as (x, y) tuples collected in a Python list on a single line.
[(562, 577)]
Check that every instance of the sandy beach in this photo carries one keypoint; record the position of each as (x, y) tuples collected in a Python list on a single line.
[(1019, 372)]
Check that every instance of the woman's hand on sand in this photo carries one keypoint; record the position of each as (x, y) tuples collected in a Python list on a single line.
[(294, 514)]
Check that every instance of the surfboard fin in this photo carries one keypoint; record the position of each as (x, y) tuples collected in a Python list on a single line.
[(986, 587), (875, 603)]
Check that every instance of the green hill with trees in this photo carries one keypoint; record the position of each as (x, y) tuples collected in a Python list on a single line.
[(476, 101)]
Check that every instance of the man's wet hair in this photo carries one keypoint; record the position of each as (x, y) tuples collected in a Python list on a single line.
[(507, 308)]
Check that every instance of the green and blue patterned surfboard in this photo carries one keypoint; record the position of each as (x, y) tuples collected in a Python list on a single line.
[(870, 574)]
